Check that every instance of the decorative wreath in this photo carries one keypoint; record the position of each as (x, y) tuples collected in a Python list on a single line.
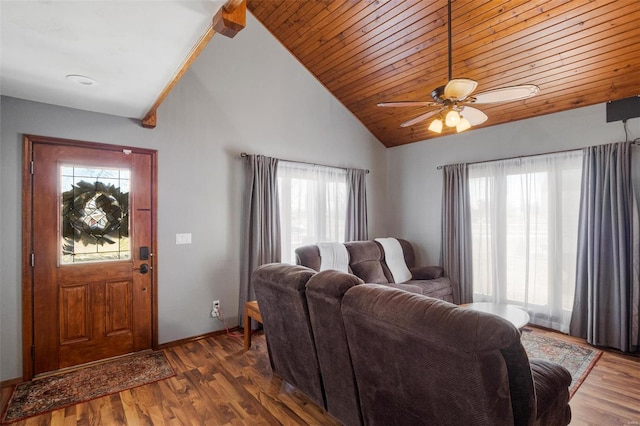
[(92, 211)]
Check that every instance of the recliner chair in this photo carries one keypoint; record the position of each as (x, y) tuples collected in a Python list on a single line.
[(325, 291), (280, 292), (419, 360)]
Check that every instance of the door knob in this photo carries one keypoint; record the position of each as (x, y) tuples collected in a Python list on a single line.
[(144, 268)]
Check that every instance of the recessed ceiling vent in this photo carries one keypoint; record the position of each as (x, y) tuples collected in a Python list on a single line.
[(82, 80)]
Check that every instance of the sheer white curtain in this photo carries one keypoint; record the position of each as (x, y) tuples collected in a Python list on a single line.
[(524, 222), (313, 205)]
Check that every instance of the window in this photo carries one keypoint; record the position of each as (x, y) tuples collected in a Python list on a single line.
[(94, 214), (524, 222), (313, 205)]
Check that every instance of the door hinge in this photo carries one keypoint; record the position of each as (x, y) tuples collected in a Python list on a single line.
[(31, 166), (33, 259), (33, 352)]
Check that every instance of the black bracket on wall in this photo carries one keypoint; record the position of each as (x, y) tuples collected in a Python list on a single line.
[(623, 109)]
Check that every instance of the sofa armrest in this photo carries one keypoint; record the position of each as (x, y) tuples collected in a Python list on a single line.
[(426, 272), (551, 383)]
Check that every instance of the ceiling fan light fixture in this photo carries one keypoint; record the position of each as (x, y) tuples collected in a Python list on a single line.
[(452, 118), (463, 125), (436, 125)]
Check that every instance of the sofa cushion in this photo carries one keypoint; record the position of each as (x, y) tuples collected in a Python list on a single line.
[(366, 262), (408, 286), (440, 288), (409, 255), (426, 272), (369, 272), (309, 256)]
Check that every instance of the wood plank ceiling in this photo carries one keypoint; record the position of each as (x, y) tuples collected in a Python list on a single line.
[(578, 52)]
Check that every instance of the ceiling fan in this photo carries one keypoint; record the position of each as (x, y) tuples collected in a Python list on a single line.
[(452, 102)]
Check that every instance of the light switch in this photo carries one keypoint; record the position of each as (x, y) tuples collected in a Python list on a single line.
[(183, 238)]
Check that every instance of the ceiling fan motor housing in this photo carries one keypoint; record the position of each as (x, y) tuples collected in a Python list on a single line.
[(438, 95)]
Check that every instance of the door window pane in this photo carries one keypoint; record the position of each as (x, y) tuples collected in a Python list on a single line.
[(94, 214)]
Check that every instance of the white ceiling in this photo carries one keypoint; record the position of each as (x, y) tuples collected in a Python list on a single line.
[(132, 49)]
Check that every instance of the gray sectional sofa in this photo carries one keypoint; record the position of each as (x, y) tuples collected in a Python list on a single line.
[(375, 355), (367, 262)]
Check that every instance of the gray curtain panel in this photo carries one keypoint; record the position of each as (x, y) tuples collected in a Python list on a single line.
[(603, 305), (262, 239), (456, 251), (356, 228)]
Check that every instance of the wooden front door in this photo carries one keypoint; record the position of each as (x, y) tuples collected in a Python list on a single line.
[(92, 238)]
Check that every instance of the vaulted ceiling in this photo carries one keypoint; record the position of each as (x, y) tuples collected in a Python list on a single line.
[(578, 52)]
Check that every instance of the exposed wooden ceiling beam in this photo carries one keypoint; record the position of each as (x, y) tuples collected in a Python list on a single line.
[(231, 18), (228, 21)]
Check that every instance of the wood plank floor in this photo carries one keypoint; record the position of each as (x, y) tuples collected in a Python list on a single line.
[(218, 383)]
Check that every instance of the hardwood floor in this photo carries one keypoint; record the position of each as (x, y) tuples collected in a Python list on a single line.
[(218, 383)]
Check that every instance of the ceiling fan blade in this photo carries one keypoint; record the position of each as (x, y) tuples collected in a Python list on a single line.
[(407, 104), (507, 94), (459, 88), (420, 118), (473, 115)]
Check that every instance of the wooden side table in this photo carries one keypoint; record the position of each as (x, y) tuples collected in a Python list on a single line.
[(251, 310)]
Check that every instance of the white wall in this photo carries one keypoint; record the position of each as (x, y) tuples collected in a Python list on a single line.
[(245, 94), (415, 184)]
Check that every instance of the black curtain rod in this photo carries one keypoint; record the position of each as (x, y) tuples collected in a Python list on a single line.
[(244, 154), (532, 155)]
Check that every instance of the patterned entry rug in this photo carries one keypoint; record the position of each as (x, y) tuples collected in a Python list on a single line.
[(578, 359), (54, 392)]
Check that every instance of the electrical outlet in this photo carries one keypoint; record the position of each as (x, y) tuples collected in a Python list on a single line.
[(215, 309)]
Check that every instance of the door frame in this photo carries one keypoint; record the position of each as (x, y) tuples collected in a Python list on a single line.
[(28, 142)]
